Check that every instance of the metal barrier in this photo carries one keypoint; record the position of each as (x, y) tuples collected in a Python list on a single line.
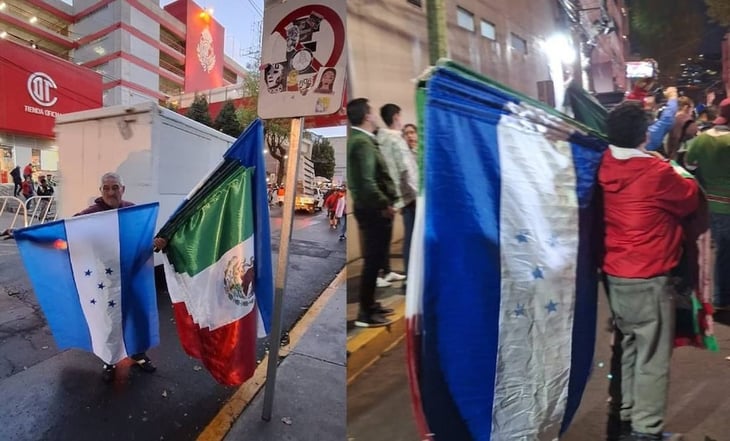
[(43, 209), (8, 218)]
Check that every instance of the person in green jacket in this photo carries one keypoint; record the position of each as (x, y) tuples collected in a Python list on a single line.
[(709, 154), (373, 194)]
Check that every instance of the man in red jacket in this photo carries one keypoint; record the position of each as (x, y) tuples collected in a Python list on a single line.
[(645, 200)]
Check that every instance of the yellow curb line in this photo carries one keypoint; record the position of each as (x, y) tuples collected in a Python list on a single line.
[(368, 345), (221, 424)]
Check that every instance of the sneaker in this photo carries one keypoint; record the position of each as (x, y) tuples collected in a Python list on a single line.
[(342, 237), (382, 283), (377, 308), (108, 373), (372, 321), (636, 436), (144, 363), (394, 277)]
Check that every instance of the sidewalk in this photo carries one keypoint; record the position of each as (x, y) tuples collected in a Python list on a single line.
[(310, 397), (366, 345)]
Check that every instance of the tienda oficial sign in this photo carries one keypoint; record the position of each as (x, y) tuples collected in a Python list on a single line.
[(36, 87)]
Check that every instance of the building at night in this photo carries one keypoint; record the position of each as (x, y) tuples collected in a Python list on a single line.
[(57, 58), (520, 43)]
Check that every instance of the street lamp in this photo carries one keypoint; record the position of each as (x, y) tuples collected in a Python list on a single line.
[(560, 47)]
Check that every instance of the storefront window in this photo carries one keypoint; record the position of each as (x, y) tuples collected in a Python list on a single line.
[(6, 163)]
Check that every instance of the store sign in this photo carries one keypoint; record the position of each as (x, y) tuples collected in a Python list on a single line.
[(36, 87), (204, 38), (40, 87)]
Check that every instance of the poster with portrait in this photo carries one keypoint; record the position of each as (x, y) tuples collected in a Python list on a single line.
[(303, 58)]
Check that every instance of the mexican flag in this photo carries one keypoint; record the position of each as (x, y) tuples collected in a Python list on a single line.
[(218, 266)]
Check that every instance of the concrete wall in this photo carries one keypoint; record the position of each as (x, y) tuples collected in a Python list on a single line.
[(388, 49)]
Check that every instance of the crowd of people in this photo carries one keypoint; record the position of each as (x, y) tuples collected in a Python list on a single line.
[(382, 174), (661, 166)]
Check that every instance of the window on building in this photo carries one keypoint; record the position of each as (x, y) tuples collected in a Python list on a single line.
[(518, 43), (464, 19), (488, 30), (415, 2)]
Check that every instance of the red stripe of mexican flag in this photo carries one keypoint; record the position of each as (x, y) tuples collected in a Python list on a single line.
[(210, 275)]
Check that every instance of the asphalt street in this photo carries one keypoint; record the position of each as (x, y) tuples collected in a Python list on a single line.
[(379, 406), (47, 394)]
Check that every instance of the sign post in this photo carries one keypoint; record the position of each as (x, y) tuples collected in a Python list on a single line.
[(304, 72)]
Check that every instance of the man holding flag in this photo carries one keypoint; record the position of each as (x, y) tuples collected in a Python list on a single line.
[(112, 191), (96, 287), (645, 202)]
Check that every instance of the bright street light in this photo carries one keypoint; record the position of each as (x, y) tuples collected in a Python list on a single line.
[(559, 47)]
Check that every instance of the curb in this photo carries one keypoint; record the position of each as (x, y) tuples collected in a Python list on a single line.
[(226, 417), (366, 346)]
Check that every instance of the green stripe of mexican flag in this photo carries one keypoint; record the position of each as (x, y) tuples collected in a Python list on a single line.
[(211, 254)]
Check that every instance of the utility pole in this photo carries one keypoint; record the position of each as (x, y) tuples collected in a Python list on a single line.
[(437, 43)]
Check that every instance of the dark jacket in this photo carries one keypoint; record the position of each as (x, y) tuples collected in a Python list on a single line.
[(15, 173), (44, 190), (100, 205), (368, 180)]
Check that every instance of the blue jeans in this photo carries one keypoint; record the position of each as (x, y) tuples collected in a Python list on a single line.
[(720, 227), (343, 219), (409, 216)]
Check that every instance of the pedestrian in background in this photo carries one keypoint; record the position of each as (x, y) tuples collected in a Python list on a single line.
[(341, 210), (112, 192), (645, 201), (709, 155), (684, 128), (43, 190), (331, 204), (402, 171), (28, 191), (28, 170), (373, 194), (17, 180)]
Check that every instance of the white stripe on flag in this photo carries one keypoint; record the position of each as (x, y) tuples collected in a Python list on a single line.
[(414, 288), (205, 295), (538, 246), (93, 246)]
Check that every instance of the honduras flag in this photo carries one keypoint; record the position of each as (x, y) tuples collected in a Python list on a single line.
[(93, 276), (502, 291)]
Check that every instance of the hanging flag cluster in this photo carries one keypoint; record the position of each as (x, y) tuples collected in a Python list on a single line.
[(218, 262)]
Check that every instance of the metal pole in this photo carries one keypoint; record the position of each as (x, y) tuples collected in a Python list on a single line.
[(287, 221), (437, 43)]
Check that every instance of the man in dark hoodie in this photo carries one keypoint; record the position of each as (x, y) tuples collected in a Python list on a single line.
[(112, 191), (645, 200)]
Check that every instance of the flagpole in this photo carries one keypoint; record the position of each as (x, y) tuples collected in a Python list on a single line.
[(282, 263)]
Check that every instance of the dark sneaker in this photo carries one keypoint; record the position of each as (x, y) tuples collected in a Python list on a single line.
[(636, 436), (372, 320), (380, 309), (108, 373), (144, 363)]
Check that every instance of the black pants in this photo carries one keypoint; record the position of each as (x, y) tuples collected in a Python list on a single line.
[(18, 187), (375, 233)]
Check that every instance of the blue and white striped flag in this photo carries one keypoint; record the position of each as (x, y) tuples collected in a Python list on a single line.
[(501, 301), (93, 276)]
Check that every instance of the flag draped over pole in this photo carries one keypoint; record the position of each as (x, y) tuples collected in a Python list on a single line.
[(93, 276), (218, 262), (502, 292)]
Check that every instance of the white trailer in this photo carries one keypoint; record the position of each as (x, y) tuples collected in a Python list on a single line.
[(159, 154)]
